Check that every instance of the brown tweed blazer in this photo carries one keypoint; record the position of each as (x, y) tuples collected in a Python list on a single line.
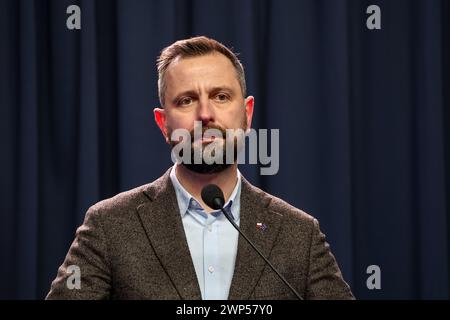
[(133, 246)]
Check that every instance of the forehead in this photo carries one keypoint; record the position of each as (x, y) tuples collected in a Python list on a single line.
[(214, 68)]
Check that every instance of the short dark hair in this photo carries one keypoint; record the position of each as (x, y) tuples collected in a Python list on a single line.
[(193, 47)]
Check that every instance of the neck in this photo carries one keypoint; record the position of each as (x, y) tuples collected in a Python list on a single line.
[(194, 182)]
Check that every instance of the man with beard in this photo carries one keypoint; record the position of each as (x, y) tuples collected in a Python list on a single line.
[(161, 241)]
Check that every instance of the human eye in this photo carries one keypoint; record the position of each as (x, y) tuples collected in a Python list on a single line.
[(222, 97), (185, 101)]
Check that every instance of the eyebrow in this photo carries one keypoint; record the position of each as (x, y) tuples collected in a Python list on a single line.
[(222, 88), (216, 89)]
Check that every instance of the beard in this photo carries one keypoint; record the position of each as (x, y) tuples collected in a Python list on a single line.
[(220, 146)]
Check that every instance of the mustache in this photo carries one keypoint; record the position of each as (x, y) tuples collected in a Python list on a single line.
[(208, 127), (200, 130)]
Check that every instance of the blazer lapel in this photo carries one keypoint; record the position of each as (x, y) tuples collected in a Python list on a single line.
[(249, 265), (162, 223)]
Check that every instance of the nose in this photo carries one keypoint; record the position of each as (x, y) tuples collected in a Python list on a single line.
[(205, 112)]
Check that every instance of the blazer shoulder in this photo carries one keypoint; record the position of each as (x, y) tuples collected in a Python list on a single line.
[(281, 206), (285, 208), (122, 201), (129, 200)]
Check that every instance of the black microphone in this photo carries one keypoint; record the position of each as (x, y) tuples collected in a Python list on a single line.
[(212, 195)]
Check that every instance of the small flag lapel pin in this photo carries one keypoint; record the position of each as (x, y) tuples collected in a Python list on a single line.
[(261, 226)]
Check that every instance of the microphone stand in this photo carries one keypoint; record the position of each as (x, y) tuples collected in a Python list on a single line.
[(217, 202)]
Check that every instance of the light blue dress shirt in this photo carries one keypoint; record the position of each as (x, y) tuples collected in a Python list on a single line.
[(211, 238)]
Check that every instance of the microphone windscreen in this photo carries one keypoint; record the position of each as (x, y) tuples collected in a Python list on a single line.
[(213, 196)]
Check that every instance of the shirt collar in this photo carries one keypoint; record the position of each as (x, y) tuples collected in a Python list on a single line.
[(186, 201)]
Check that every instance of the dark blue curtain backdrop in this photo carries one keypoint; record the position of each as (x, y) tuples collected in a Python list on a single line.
[(364, 119)]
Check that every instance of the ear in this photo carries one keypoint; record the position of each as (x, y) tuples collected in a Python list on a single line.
[(160, 119), (249, 103)]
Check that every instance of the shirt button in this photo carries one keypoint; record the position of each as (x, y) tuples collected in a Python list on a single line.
[(211, 269), (209, 228)]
